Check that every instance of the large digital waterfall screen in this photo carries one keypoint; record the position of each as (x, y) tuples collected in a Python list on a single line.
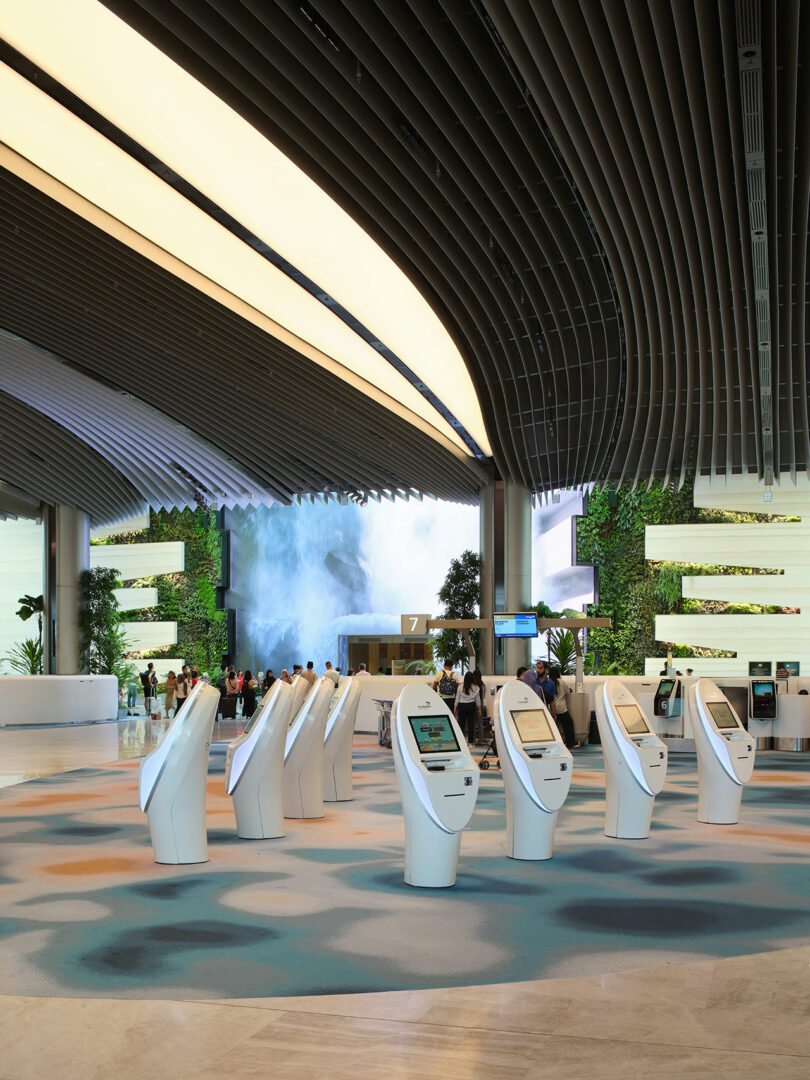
[(532, 725), (522, 624), (434, 734), (634, 722), (722, 714)]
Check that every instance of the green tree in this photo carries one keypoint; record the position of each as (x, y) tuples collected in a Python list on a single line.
[(461, 596), (103, 644), (26, 657)]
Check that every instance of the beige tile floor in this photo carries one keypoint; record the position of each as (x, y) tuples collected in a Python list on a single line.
[(739, 1018)]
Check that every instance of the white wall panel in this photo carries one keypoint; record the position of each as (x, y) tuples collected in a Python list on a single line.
[(140, 560)]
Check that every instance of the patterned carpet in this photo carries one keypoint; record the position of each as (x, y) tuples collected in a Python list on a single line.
[(84, 911)]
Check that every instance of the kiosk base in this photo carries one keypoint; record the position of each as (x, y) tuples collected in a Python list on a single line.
[(431, 860), (719, 802), (179, 842), (628, 813), (258, 819), (530, 836)]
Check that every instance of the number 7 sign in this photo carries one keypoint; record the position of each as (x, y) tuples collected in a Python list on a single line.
[(414, 625)]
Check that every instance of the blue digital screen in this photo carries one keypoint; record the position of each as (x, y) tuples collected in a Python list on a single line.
[(516, 624)]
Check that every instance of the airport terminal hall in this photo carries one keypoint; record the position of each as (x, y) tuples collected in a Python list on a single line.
[(404, 539)]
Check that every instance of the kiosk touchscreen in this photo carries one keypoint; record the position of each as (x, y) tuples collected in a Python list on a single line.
[(438, 782), (254, 767), (337, 745), (303, 754), (536, 767), (763, 699), (172, 781), (725, 753), (635, 762)]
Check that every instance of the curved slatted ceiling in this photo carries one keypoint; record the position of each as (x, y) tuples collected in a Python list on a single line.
[(567, 183), (605, 204)]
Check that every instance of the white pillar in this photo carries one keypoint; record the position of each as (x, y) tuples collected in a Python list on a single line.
[(72, 555), (487, 548), (517, 524)]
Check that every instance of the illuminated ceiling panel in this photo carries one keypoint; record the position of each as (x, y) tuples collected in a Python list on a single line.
[(137, 88)]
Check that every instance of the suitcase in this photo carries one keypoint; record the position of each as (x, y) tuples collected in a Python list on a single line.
[(227, 707)]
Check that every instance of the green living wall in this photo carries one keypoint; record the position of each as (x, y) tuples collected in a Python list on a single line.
[(633, 591), (188, 598)]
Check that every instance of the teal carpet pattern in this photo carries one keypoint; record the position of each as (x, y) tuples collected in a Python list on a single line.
[(84, 911)]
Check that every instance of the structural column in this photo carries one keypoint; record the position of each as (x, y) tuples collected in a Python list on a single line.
[(67, 554), (517, 524), (506, 565)]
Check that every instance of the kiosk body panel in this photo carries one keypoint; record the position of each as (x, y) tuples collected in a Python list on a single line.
[(303, 755), (725, 753), (536, 767), (337, 748), (172, 782), (438, 782), (254, 769), (635, 762)]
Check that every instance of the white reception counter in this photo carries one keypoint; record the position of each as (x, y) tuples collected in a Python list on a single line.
[(57, 699)]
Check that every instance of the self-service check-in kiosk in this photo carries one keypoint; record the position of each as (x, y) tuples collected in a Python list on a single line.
[(762, 712), (303, 754), (254, 767), (438, 782), (635, 762), (172, 781), (300, 690), (725, 753), (337, 744), (536, 767)]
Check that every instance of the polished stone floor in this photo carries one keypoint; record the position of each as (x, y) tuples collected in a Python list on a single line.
[(731, 1019)]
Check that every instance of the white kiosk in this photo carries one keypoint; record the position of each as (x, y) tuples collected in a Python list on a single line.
[(303, 754), (725, 753), (536, 767), (300, 690), (172, 781), (254, 770), (438, 782), (337, 745), (635, 762)]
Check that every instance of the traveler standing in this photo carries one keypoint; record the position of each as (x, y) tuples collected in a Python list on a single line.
[(467, 705), (330, 673), (248, 695), (546, 684), (446, 685), (362, 673), (183, 688), (561, 713), (149, 682), (310, 674), (269, 679), (171, 692)]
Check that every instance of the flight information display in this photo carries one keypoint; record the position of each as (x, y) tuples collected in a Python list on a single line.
[(532, 725), (434, 734), (722, 714), (633, 720), (515, 624)]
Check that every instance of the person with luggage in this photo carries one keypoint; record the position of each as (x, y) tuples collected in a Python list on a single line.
[(149, 683), (446, 685), (467, 705)]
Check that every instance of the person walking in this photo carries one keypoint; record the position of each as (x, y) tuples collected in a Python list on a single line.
[(248, 695), (467, 706), (171, 692), (149, 682), (330, 673)]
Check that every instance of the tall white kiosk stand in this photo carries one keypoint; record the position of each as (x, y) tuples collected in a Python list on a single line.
[(536, 768), (303, 754), (438, 782), (172, 781), (300, 690), (254, 768), (725, 753), (337, 745), (635, 762)]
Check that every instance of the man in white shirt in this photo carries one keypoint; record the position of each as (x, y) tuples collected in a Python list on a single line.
[(330, 673), (310, 674), (361, 671)]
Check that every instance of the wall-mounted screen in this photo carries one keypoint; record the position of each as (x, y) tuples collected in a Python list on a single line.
[(633, 720), (759, 667), (434, 734), (515, 624), (532, 725), (722, 714), (787, 669)]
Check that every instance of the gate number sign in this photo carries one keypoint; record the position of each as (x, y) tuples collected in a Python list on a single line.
[(414, 624)]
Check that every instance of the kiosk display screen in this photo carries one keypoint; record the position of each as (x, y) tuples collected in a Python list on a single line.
[(665, 687), (434, 734), (763, 706), (532, 725), (515, 624), (722, 714), (633, 720)]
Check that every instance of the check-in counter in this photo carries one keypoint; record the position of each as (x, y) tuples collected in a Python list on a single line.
[(27, 700), (791, 729)]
